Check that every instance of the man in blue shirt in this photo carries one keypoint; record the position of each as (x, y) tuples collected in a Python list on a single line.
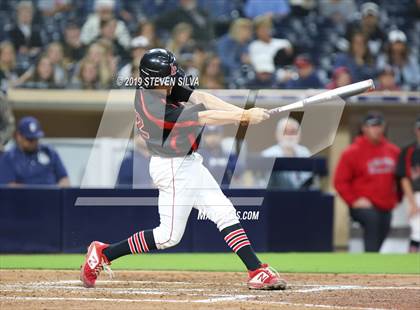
[(29, 162), (308, 76), (134, 169)]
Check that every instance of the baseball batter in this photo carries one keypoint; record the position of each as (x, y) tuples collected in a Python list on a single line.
[(171, 119)]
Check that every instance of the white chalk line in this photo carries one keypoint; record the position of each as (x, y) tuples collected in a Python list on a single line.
[(309, 288), (214, 298), (354, 287), (211, 300)]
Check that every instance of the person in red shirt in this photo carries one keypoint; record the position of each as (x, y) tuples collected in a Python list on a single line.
[(365, 179)]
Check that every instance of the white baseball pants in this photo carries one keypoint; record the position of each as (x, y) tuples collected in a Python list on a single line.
[(184, 183)]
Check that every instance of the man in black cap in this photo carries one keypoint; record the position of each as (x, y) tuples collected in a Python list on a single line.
[(30, 162), (365, 179), (408, 171)]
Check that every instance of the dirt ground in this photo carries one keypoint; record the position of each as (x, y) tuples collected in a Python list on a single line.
[(42, 289)]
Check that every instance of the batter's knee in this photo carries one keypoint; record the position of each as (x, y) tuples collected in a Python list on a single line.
[(224, 216), (166, 237)]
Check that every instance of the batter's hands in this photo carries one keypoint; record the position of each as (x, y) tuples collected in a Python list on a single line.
[(362, 203), (255, 116)]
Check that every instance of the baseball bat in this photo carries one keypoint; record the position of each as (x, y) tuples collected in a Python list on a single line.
[(343, 92)]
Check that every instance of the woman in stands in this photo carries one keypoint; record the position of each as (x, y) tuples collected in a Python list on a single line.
[(358, 59)]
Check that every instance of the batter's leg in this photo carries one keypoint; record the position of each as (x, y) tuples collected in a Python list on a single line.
[(213, 203), (218, 208), (175, 179)]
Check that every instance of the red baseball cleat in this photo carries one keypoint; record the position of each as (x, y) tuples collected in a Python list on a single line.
[(95, 262), (265, 278)]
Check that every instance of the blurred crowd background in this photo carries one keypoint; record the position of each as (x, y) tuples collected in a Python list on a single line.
[(86, 44)]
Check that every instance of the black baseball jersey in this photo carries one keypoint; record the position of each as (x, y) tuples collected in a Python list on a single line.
[(168, 123), (409, 165)]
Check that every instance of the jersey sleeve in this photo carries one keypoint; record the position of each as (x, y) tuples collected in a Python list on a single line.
[(180, 94), (181, 116)]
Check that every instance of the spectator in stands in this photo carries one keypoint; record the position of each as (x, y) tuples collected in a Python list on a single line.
[(25, 35), (139, 46), (186, 61), (339, 12), (232, 48), (56, 56), (41, 76), (8, 62), (72, 46), (405, 65), (358, 59), (220, 164), (92, 27), (30, 162), (365, 179), (408, 172), (341, 77), (188, 12), (51, 8), (386, 80), (369, 26), (147, 29), (264, 49), (288, 138), (307, 74), (200, 55), (211, 76), (97, 54), (54, 15), (274, 8), (7, 120), (108, 37), (111, 61), (134, 169), (88, 77), (180, 39)]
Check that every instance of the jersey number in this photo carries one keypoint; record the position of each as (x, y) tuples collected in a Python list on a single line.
[(140, 125)]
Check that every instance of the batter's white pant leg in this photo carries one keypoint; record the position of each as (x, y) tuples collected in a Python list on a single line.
[(174, 178), (212, 202), (415, 222)]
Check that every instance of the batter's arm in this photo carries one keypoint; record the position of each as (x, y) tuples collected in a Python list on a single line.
[(211, 102), (220, 117)]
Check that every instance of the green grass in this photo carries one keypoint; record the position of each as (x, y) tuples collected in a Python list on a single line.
[(284, 262)]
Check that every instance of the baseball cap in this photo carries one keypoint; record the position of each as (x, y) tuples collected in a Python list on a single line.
[(397, 36), (370, 8), (303, 61), (373, 118), (104, 4), (140, 41), (30, 128)]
